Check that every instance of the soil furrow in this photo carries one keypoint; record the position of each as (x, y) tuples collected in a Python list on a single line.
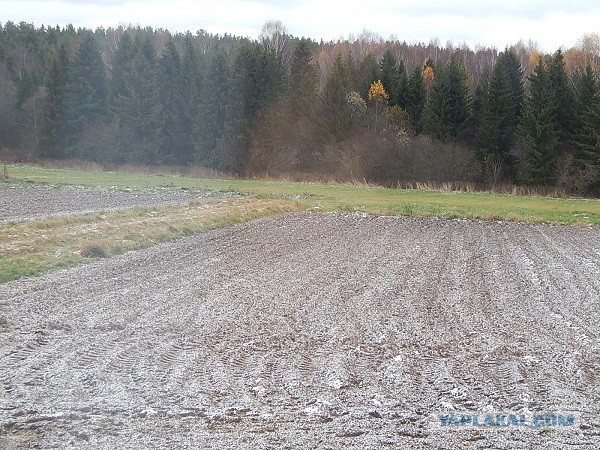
[(330, 330)]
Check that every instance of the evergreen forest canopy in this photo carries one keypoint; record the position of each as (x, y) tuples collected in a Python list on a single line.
[(363, 108)]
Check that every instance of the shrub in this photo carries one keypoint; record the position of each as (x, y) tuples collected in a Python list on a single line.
[(93, 251)]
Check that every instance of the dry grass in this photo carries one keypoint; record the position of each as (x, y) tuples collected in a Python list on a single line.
[(440, 200), (31, 248), (139, 169), (470, 187), (36, 247), (306, 177)]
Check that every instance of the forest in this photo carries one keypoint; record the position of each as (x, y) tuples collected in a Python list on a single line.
[(363, 108)]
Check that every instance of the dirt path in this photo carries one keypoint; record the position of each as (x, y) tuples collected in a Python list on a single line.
[(310, 330), (27, 203)]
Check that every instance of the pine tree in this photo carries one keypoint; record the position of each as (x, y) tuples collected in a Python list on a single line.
[(537, 129), (447, 109), (51, 142)]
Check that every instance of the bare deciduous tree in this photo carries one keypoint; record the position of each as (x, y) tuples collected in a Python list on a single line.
[(274, 36)]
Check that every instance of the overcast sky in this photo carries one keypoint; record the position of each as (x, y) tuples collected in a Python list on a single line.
[(551, 23)]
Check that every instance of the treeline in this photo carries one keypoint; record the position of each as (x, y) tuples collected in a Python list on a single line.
[(384, 111)]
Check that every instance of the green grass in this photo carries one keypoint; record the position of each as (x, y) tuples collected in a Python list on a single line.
[(31, 248), (335, 197)]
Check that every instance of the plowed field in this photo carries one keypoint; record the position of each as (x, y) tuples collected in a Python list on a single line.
[(310, 330)]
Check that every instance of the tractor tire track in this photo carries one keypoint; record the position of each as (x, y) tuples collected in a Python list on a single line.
[(307, 330)]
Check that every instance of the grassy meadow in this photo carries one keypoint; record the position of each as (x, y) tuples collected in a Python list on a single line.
[(335, 197), (30, 248)]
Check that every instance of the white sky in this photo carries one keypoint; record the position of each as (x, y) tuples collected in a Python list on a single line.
[(551, 23)]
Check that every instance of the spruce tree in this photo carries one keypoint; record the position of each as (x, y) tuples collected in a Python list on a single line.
[(259, 80), (565, 98), (537, 129), (303, 81), (513, 68), (303, 100), (447, 110), (353, 70), (176, 140), (335, 111), (138, 112), (415, 98), (121, 65), (402, 86), (52, 126), (86, 97), (192, 81), (586, 129), (477, 108), (213, 113), (389, 76), (367, 72), (192, 63), (86, 94), (499, 115)]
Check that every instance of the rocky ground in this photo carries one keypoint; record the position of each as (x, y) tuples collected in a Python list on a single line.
[(310, 330), (18, 203)]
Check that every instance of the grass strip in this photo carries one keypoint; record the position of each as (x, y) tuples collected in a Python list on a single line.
[(31, 248), (333, 197)]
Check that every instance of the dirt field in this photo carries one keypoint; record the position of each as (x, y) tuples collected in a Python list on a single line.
[(300, 330), (27, 203)]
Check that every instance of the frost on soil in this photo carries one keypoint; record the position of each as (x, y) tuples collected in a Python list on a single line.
[(28, 203), (309, 330)]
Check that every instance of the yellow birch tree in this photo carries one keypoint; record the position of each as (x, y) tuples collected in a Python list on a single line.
[(378, 97)]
